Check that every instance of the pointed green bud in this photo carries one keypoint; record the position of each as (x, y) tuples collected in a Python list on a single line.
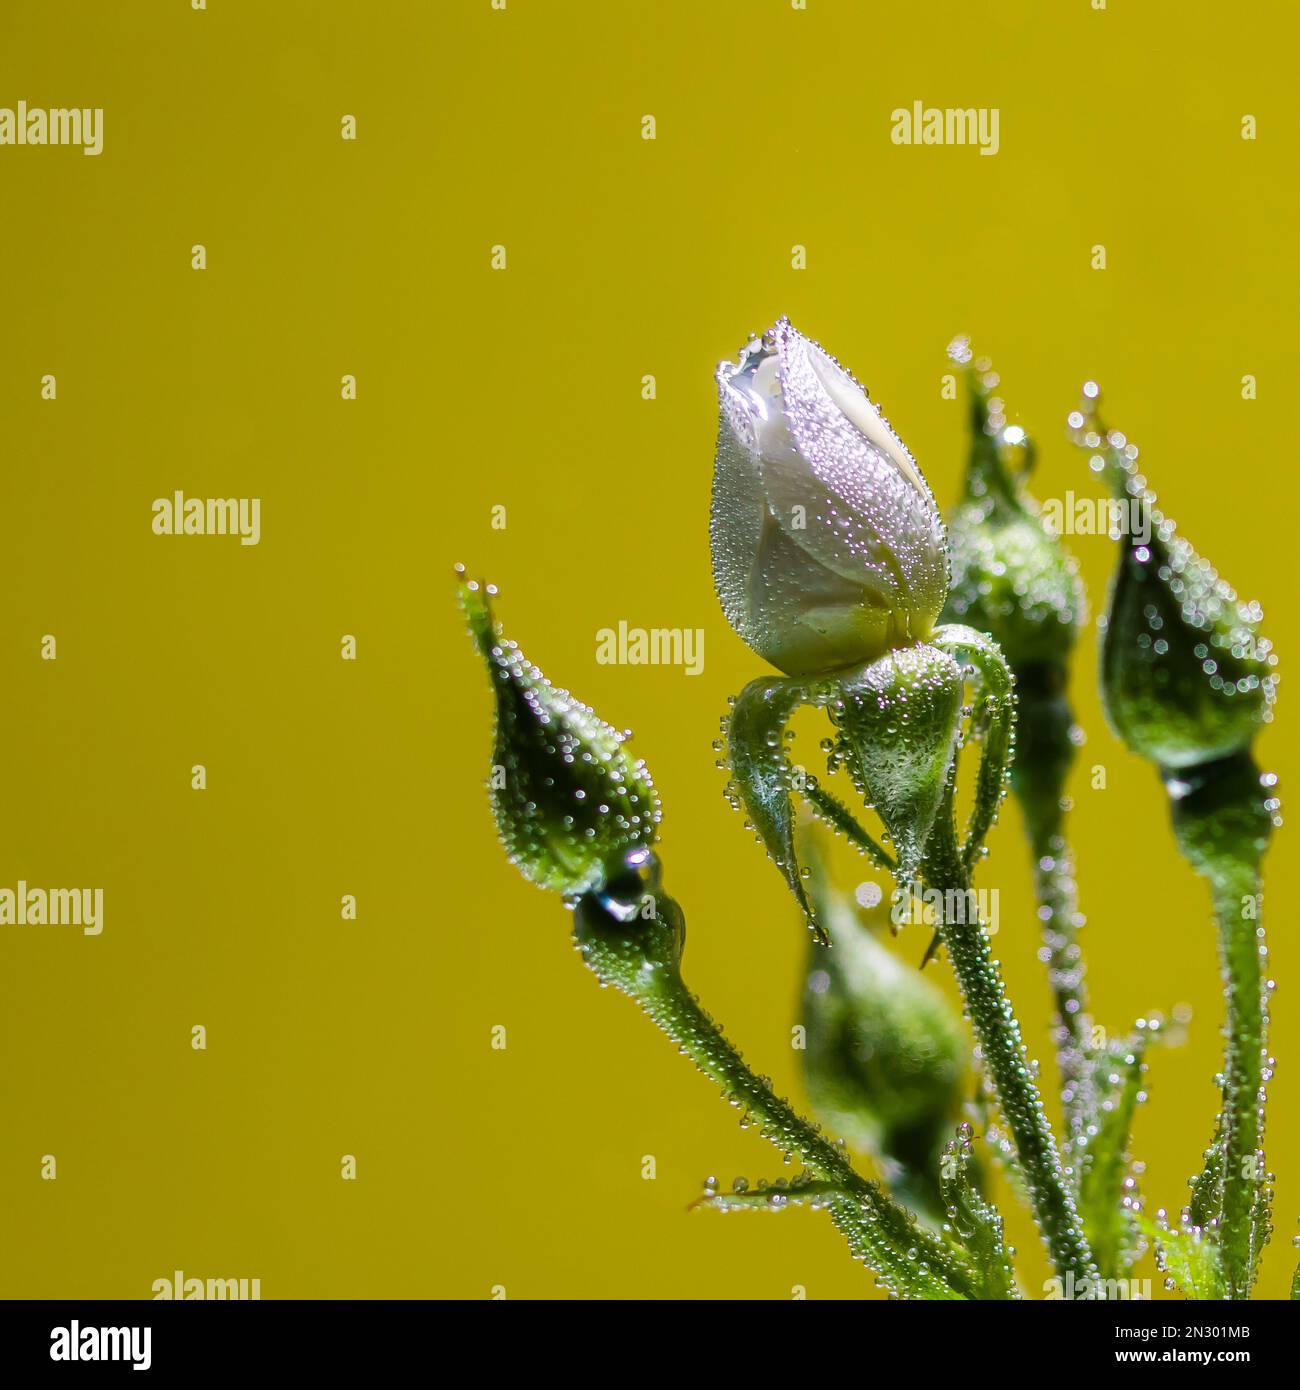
[(898, 720), (885, 1053), (1011, 576), (570, 804), (1186, 678)]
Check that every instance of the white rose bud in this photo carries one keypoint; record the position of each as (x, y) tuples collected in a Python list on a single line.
[(828, 549)]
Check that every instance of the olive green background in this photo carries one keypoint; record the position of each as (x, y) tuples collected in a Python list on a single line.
[(522, 1169)]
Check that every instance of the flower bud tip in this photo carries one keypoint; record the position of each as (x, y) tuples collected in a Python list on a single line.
[(1011, 575), (569, 802), (1186, 676)]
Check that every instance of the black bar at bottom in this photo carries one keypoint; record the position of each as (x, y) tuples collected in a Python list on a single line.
[(400, 1338)]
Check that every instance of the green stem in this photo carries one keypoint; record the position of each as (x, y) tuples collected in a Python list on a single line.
[(673, 1009), (637, 959), (1057, 897), (1240, 950), (1038, 779), (998, 1033), (1222, 821), (877, 1229)]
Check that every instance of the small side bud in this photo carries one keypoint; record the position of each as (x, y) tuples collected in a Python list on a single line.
[(885, 1056), (1185, 678), (570, 804), (1011, 576)]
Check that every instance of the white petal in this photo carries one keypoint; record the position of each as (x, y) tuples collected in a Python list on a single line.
[(858, 407), (869, 513), (803, 617), (739, 509)]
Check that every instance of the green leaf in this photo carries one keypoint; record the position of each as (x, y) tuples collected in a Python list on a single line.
[(1261, 1229), (1207, 1190), (832, 812), (993, 722), (974, 1221), (898, 719), (762, 773), (1104, 1167), (766, 782), (802, 1191), (909, 1262), (1190, 1256)]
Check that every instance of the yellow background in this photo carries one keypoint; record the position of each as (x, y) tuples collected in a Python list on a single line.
[(522, 388)]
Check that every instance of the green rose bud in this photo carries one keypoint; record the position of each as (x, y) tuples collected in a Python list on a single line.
[(1185, 676), (1011, 577), (885, 1056), (898, 720), (570, 805)]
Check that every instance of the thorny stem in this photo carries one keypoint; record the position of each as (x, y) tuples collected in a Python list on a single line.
[(673, 1009), (1240, 950), (1057, 897), (1222, 822), (909, 1260), (1046, 752), (998, 1033)]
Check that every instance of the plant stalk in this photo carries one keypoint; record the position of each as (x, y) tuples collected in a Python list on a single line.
[(1038, 778), (1240, 952), (1222, 822), (909, 1260), (998, 1033)]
